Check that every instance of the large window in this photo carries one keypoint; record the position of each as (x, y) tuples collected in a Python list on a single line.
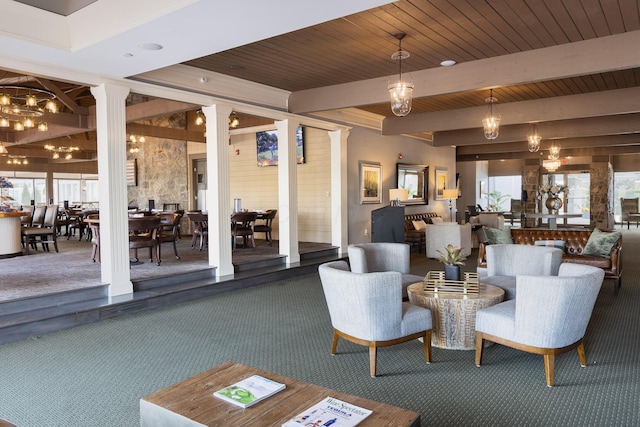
[(77, 189), (627, 186), (577, 201), (25, 189), (501, 190)]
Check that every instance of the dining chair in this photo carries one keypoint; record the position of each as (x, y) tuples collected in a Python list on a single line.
[(47, 233), (266, 227), (199, 228), (170, 223), (95, 237), (145, 232), (242, 225)]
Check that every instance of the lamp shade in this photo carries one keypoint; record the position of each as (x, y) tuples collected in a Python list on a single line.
[(401, 194), (450, 194)]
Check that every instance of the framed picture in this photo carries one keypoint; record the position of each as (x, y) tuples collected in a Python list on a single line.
[(441, 182), (370, 182), (132, 173)]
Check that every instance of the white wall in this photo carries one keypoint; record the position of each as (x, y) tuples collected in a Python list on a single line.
[(369, 145)]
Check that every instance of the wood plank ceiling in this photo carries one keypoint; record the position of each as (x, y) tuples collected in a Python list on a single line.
[(359, 47)]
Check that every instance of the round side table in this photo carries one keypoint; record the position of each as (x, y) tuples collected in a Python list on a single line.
[(454, 314)]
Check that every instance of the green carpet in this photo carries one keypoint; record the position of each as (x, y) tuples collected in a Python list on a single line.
[(96, 374)]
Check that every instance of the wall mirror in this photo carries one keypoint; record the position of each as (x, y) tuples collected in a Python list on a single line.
[(415, 178)]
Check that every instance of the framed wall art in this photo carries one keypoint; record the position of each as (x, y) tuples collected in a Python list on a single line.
[(370, 182), (440, 182)]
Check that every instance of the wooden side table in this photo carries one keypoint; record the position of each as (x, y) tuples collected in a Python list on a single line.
[(454, 314)]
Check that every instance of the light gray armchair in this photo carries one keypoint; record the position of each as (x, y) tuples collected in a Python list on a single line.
[(505, 262), (549, 317), (378, 257), (438, 236), (367, 309)]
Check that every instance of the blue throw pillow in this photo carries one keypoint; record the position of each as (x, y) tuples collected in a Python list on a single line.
[(601, 243), (498, 236), (551, 243)]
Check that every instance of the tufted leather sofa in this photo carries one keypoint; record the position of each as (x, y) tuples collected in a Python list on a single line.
[(416, 237), (575, 241)]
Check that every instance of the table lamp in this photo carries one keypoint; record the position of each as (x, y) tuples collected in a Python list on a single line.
[(397, 195), (450, 194)]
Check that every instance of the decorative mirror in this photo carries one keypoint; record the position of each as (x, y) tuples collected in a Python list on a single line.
[(415, 178)]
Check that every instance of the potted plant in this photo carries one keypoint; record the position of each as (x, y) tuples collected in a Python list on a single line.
[(452, 259)]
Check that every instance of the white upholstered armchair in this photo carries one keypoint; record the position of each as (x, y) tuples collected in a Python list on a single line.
[(367, 309), (549, 316), (377, 257), (438, 236), (505, 262)]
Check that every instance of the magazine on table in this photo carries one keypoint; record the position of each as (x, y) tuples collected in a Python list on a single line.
[(249, 391), (329, 412)]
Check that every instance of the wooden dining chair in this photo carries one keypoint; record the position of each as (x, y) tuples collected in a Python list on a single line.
[(170, 224), (242, 225), (199, 228), (47, 233), (267, 226), (145, 232)]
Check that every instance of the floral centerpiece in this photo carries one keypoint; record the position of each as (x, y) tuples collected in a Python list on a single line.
[(452, 259), (553, 202)]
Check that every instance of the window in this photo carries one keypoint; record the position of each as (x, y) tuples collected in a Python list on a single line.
[(501, 190), (25, 190), (75, 188), (577, 201), (626, 185)]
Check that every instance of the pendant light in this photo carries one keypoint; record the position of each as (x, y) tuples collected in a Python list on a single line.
[(491, 123), (534, 139), (401, 91)]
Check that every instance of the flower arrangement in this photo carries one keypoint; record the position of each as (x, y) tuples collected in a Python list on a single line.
[(552, 190), (452, 255)]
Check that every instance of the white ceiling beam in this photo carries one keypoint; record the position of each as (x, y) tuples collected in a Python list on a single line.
[(595, 104), (611, 53), (576, 128)]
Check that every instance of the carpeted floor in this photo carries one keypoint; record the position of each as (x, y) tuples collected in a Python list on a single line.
[(95, 375), (72, 268)]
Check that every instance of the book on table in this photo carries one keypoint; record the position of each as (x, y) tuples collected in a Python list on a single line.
[(329, 412), (249, 391)]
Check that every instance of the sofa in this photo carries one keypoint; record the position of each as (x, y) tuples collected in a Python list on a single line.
[(573, 242), (415, 237)]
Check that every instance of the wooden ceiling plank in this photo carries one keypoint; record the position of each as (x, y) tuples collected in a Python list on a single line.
[(547, 20), (520, 20), (614, 53), (565, 22), (500, 20), (630, 10)]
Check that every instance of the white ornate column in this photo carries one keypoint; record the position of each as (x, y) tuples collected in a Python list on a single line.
[(218, 189), (112, 184), (339, 192), (288, 190)]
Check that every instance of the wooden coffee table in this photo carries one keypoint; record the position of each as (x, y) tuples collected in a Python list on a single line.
[(191, 402), (454, 314)]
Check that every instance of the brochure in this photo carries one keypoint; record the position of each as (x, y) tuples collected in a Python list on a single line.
[(249, 391), (329, 412)]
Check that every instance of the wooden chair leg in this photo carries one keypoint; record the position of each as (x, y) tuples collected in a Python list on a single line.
[(373, 351), (334, 344), (427, 346), (479, 348), (549, 366), (582, 356)]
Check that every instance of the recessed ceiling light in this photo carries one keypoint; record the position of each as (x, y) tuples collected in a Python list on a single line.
[(150, 46), (448, 63)]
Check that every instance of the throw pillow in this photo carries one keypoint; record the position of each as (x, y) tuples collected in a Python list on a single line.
[(601, 243), (551, 243), (436, 220), (498, 236), (419, 224)]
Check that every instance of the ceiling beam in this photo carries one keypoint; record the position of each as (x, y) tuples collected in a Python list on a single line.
[(619, 101), (575, 152), (595, 126), (602, 54), (166, 133), (63, 97), (155, 108)]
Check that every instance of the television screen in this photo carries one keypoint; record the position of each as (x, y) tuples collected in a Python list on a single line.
[(267, 147)]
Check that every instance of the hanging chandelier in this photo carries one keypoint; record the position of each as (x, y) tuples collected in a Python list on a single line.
[(17, 160), (401, 91), (133, 143), (233, 119), (534, 139), (551, 165), (23, 107), (554, 151), (491, 123), (66, 151)]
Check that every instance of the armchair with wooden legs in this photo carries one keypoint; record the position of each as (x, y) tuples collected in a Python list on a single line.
[(367, 309)]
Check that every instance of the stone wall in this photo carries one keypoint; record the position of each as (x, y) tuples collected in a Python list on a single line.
[(162, 168), (601, 198)]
